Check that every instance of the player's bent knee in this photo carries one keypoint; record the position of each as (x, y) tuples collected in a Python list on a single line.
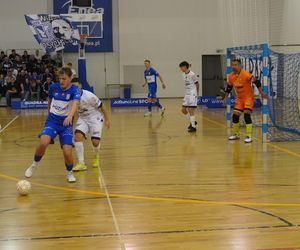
[(79, 136), (247, 117), (183, 110)]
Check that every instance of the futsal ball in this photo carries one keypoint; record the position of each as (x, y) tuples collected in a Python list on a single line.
[(23, 187)]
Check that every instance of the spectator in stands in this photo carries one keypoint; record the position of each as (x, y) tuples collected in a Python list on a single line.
[(35, 76), (73, 70), (2, 55), (58, 59), (38, 55), (55, 75), (25, 57), (23, 82), (6, 65), (34, 90), (9, 75), (45, 88), (18, 65), (13, 55), (2, 86), (47, 74), (13, 90), (32, 64)]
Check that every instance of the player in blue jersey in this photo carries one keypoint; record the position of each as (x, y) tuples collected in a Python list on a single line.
[(151, 76), (63, 101)]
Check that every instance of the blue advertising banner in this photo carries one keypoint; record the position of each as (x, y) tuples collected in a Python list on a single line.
[(94, 20), (129, 102), (29, 104)]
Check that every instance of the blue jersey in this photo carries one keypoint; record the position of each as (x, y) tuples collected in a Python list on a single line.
[(151, 76), (61, 101)]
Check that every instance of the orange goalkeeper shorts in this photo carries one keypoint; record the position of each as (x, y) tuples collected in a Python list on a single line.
[(242, 104)]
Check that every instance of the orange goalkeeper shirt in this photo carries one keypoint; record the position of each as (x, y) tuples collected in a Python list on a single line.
[(242, 84)]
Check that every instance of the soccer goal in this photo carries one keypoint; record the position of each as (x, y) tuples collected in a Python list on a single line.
[(278, 115)]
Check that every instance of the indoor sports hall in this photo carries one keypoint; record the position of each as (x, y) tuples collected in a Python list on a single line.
[(149, 125)]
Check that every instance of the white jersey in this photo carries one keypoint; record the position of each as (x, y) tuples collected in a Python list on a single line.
[(190, 80), (89, 105)]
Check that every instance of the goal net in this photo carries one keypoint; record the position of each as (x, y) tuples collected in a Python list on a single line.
[(279, 115)]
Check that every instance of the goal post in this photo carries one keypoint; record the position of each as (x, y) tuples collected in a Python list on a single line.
[(254, 58)]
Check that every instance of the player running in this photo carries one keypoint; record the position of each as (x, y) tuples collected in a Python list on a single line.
[(241, 80), (151, 79), (62, 104), (92, 115), (190, 100)]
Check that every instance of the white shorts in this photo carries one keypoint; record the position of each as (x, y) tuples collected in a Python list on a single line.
[(190, 101), (90, 126)]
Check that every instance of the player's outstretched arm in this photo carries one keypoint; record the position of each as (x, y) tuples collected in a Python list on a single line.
[(145, 83), (69, 118), (197, 86), (259, 87), (227, 92), (162, 81), (49, 103), (106, 116)]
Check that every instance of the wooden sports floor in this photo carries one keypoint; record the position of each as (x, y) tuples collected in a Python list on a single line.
[(160, 188)]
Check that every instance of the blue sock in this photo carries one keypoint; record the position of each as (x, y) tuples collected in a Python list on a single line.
[(149, 106), (37, 158), (158, 104), (69, 167)]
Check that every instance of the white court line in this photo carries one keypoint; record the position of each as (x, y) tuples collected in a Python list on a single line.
[(117, 228), (6, 126)]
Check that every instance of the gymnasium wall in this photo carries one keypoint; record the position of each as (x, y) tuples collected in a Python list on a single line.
[(166, 32), (170, 31), (13, 28)]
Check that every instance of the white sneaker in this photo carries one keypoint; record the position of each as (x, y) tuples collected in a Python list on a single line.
[(71, 177), (162, 111), (234, 137), (248, 139), (147, 114), (29, 171)]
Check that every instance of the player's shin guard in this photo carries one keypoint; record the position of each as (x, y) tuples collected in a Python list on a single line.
[(79, 151), (249, 125), (235, 124)]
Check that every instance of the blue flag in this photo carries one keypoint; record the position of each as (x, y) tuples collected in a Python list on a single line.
[(52, 32)]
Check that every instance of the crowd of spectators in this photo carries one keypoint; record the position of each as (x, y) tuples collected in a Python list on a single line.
[(28, 76)]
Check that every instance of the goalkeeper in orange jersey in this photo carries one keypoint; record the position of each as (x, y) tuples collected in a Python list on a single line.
[(242, 80)]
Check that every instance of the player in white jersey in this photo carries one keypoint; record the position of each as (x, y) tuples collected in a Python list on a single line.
[(191, 95), (92, 116)]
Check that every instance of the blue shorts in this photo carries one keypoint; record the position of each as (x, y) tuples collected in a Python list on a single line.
[(65, 133), (152, 89)]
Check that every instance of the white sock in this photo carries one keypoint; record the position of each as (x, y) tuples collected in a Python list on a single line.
[(35, 163), (187, 116), (80, 151), (193, 121)]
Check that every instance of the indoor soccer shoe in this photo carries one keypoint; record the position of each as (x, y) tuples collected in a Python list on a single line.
[(248, 139), (96, 161), (71, 177), (29, 171), (147, 114), (162, 111), (190, 126), (79, 167), (192, 129), (234, 137)]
